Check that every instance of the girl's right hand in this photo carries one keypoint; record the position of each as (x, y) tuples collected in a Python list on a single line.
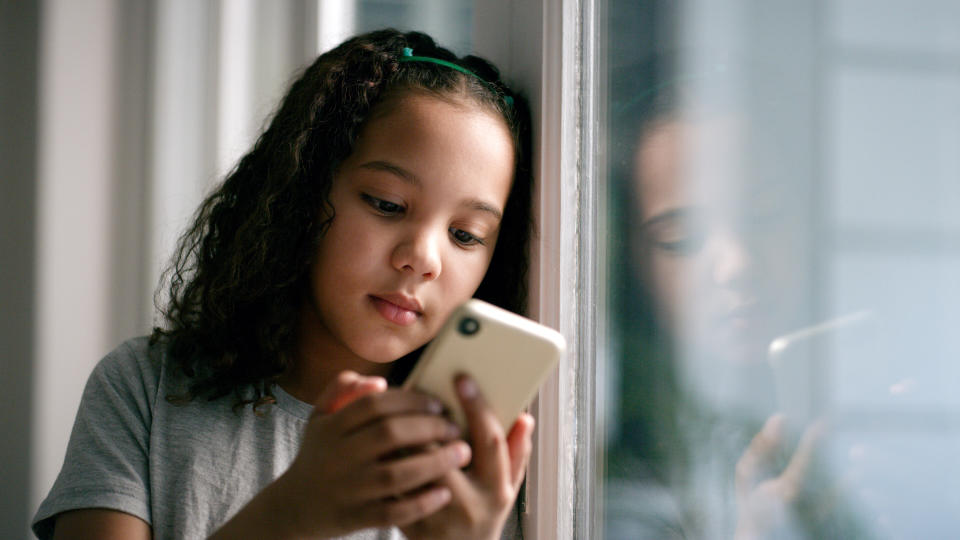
[(765, 502), (371, 462), (370, 457)]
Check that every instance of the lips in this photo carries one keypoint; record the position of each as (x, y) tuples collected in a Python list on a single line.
[(397, 308)]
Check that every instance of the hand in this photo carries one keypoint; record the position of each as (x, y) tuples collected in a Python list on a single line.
[(483, 495), (349, 386), (370, 457), (765, 504)]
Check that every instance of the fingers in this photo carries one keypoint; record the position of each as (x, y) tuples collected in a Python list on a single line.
[(399, 476), (347, 387), (404, 511), (759, 453), (795, 473), (519, 446), (392, 402), (381, 438), (491, 460)]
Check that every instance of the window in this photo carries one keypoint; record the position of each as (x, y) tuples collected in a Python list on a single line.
[(781, 269)]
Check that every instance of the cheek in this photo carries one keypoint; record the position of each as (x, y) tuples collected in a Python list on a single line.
[(354, 236), (465, 272), (344, 254), (679, 289), (668, 277)]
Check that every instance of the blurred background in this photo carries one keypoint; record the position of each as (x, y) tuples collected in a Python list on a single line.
[(116, 116), (783, 186)]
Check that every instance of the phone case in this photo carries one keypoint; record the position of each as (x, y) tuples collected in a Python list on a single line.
[(508, 355)]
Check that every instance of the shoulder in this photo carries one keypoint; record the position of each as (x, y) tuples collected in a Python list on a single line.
[(134, 371), (135, 358), (135, 355), (107, 459)]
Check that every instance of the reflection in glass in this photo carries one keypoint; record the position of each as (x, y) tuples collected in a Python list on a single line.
[(781, 274)]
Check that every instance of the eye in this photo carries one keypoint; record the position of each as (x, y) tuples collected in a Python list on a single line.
[(682, 234), (383, 207), (464, 238), (684, 247)]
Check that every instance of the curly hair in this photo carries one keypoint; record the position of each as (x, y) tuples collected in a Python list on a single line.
[(240, 272)]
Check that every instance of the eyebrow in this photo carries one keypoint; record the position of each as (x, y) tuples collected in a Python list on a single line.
[(409, 177), (395, 170), (475, 204)]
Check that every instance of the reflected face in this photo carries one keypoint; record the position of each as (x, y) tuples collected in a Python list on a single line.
[(418, 206), (712, 241)]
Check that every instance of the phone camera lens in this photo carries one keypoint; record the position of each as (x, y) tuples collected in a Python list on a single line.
[(469, 326)]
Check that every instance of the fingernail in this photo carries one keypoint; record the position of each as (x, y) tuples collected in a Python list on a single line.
[(460, 453), (434, 406), (468, 388), (348, 377), (774, 425), (453, 431)]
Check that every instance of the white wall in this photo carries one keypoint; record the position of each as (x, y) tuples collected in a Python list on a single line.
[(74, 202)]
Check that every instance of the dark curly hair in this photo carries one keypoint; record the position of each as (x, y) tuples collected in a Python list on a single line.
[(240, 272)]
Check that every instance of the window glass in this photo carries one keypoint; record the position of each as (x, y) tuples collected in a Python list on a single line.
[(450, 22), (782, 269)]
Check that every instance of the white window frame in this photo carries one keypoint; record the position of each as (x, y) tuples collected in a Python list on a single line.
[(547, 49)]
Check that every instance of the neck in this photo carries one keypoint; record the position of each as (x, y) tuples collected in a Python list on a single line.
[(318, 359)]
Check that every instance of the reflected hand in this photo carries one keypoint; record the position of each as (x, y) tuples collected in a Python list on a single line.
[(764, 503), (483, 495)]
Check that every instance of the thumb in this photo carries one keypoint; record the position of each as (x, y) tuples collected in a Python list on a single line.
[(520, 445), (795, 474), (347, 387), (759, 454)]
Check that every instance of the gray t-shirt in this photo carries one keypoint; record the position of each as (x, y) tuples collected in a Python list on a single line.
[(184, 469)]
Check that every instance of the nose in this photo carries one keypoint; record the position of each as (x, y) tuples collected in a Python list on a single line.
[(732, 261), (419, 252)]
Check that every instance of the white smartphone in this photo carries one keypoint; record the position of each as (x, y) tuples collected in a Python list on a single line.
[(508, 356), (801, 363)]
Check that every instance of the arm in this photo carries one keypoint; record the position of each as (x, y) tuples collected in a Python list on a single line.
[(100, 523), (106, 463)]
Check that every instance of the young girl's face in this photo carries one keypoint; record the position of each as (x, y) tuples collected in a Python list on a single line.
[(723, 281), (417, 209)]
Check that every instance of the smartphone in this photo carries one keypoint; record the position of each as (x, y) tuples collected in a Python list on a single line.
[(508, 356), (801, 362)]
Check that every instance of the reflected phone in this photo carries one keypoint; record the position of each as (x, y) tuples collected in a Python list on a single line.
[(508, 356), (800, 359)]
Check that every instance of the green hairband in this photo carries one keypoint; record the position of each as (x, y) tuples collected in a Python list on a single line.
[(409, 57)]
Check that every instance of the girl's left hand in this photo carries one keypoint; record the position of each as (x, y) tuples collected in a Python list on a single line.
[(484, 493)]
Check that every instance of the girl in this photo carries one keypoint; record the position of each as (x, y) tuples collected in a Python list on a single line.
[(392, 185)]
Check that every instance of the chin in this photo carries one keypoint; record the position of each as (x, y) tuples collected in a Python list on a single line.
[(383, 353)]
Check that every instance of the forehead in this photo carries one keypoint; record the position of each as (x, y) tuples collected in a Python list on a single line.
[(414, 105), (452, 142), (679, 163)]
